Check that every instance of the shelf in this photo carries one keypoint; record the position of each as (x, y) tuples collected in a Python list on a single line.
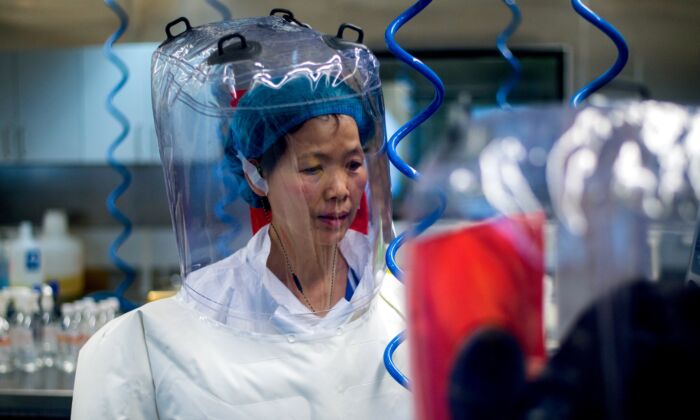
[(47, 393)]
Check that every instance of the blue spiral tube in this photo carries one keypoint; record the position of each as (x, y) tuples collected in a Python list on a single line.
[(502, 44), (618, 40), (403, 167), (221, 8), (111, 202), (388, 361)]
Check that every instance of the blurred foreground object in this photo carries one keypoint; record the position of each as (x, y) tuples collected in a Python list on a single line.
[(589, 200)]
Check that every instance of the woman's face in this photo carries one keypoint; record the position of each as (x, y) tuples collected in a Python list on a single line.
[(316, 186)]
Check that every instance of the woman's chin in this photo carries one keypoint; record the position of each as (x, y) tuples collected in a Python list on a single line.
[(328, 236)]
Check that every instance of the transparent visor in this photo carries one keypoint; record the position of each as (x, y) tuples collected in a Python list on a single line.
[(278, 185), (570, 236)]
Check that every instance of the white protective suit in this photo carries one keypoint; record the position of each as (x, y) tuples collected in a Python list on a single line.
[(171, 359)]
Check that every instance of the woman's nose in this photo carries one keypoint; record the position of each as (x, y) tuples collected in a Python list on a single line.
[(337, 187)]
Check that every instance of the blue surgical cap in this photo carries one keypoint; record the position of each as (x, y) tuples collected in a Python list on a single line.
[(267, 112)]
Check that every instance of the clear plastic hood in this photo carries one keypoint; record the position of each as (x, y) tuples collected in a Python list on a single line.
[(271, 136)]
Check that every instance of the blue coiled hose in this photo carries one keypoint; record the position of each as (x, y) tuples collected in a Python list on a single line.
[(111, 202), (502, 44), (221, 8), (622, 53), (389, 362), (403, 167)]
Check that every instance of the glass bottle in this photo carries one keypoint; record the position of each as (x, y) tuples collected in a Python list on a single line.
[(26, 356)]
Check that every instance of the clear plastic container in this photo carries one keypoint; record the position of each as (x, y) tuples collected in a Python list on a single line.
[(48, 332), (66, 360), (88, 321), (25, 351), (106, 311), (72, 326), (5, 343)]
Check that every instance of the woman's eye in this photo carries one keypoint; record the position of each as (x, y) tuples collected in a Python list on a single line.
[(354, 165), (312, 170)]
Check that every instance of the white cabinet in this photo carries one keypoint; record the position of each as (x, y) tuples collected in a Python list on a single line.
[(50, 117), (53, 106), (133, 100), (9, 133)]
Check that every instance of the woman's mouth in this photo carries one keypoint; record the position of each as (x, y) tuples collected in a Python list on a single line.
[(334, 220)]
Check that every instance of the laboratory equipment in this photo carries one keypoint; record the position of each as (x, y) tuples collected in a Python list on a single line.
[(404, 167), (111, 202), (502, 45)]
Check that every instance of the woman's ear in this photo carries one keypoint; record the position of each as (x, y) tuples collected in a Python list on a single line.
[(254, 177)]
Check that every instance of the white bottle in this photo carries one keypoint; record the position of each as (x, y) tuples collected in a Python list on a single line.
[(62, 255), (5, 343), (66, 362), (25, 258), (25, 354), (48, 331)]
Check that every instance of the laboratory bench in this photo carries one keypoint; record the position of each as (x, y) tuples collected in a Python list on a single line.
[(45, 394)]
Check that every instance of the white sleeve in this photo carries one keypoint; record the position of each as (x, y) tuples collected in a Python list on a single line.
[(113, 378)]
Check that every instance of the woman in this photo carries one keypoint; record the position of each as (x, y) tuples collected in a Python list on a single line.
[(293, 323)]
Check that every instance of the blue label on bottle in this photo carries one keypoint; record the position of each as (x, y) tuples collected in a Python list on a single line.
[(33, 260)]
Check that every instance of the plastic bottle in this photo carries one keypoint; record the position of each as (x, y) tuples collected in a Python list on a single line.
[(25, 354), (112, 308), (65, 361), (88, 321), (63, 255), (5, 343), (106, 311), (48, 334), (25, 258), (75, 337), (102, 314)]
